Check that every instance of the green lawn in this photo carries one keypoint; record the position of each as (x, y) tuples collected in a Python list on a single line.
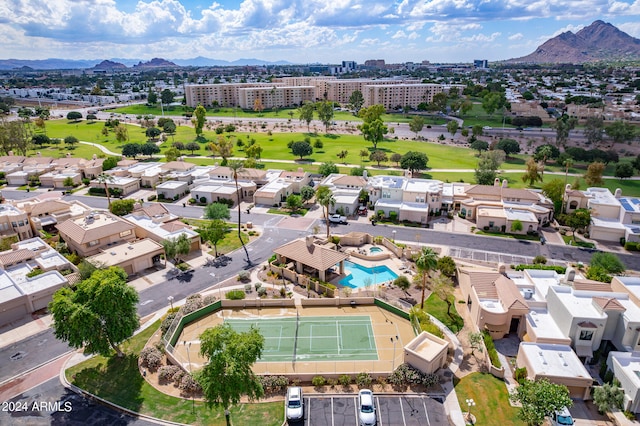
[(491, 398), (568, 239), (119, 381), (438, 308)]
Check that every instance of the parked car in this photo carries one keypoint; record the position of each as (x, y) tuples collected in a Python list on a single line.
[(366, 408), (362, 211), (336, 218), (561, 418), (294, 403)]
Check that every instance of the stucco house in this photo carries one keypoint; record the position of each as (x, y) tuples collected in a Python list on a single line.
[(88, 234)]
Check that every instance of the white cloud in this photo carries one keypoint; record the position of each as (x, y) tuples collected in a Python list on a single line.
[(517, 36), (399, 34), (631, 28)]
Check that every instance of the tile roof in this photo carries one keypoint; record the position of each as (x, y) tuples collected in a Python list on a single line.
[(82, 231), (479, 190), (15, 256), (174, 226), (350, 181), (177, 166), (318, 257), (484, 284), (608, 304), (590, 285), (49, 206)]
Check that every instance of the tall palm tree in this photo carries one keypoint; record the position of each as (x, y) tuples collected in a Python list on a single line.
[(325, 197), (237, 166), (426, 262), (105, 179)]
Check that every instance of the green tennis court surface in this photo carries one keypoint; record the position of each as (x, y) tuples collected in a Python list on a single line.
[(313, 338)]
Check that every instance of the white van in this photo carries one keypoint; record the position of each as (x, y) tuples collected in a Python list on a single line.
[(294, 404), (562, 418)]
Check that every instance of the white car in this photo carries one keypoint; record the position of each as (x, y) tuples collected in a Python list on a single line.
[(294, 403), (562, 418), (336, 218), (366, 408)]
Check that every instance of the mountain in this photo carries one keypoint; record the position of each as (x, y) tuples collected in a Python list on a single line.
[(201, 61), (600, 41), (45, 64), (155, 63), (109, 65)]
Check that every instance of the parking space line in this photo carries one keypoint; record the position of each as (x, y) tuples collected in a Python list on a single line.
[(332, 418), (355, 408), (404, 420), (378, 416), (426, 413)]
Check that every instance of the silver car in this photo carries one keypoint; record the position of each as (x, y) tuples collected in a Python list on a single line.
[(366, 408), (294, 403)]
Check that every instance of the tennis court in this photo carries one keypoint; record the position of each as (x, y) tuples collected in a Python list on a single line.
[(313, 338)]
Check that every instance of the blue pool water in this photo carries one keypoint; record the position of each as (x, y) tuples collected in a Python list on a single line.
[(375, 249), (358, 275)]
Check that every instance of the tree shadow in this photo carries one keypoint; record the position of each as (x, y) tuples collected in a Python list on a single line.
[(331, 136)]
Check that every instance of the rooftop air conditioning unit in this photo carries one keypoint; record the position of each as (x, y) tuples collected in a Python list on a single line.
[(528, 294)]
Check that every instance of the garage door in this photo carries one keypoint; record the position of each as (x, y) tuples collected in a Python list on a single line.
[(12, 314)]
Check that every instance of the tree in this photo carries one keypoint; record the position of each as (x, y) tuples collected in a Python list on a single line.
[(152, 133), (516, 226), (68, 182), (532, 173), (477, 130), (554, 189), (325, 198), (416, 124), (509, 146), (301, 149), (452, 127), (636, 163), (479, 146), (99, 314), (624, 170), (493, 101), (131, 149), (402, 282), (325, 113), (199, 118), (488, 164), (74, 116), (104, 179), (475, 341), (325, 169), (294, 202), (149, 149), (378, 157), (42, 140), (306, 193), (594, 173), (152, 97), (363, 154), (305, 113), (356, 100), (169, 127), (608, 397), (442, 286), (426, 262), (122, 133), (342, 155), (539, 399), (215, 232), (227, 376), (373, 128), (175, 247), (217, 211), (439, 102), (237, 167), (71, 141), (414, 161), (396, 157), (563, 125), (192, 146), (608, 261), (122, 207), (447, 266), (172, 154), (620, 131), (253, 151), (544, 153), (578, 219), (166, 96), (593, 129)]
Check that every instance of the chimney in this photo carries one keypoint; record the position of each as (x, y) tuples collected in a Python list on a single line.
[(505, 183), (94, 157), (618, 193), (39, 154), (10, 153), (496, 182), (567, 187), (364, 174), (309, 241)]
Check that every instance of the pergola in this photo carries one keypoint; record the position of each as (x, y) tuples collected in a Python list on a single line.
[(308, 255)]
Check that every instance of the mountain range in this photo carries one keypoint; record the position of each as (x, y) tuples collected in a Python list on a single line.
[(600, 41)]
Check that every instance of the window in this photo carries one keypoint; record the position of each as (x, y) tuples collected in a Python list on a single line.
[(586, 335), (125, 233), (491, 224), (93, 243)]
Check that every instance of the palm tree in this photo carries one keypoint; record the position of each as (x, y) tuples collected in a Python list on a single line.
[(105, 179), (426, 262), (237, 166), (325, 197)]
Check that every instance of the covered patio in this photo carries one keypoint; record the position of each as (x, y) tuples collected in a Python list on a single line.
[(310, 258)]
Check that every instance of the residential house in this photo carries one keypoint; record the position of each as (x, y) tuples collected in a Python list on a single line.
[(280, 187), (213, 191), (346, 191), (14, 221), (626, 369), (125, 185), (172, 190), (154, 221), (134, 256), (87, 235), (47, 209)]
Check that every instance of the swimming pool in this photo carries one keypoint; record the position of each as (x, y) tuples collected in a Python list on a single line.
[(375, 250), (358, 276)]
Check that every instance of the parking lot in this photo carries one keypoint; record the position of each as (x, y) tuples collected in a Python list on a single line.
[(402, 410)]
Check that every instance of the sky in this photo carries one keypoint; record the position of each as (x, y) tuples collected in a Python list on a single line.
[(298, 31)]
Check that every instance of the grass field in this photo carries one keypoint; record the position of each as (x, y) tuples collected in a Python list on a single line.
[(491, 398), (438, 308), (118, 380)]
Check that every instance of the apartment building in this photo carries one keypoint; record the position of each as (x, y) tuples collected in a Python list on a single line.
[(275, 96), (225, 94)]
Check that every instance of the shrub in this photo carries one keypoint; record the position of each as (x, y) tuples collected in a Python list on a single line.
[(247, 288), (166, 373), (258, 285), (318, 381), (166, 322), (559, 269), (407, 375), (151, 358), (244, 276), (188, 384), (332, 381), (491, 349), (209, 299), (193, 303), (631, 246), (520, 375), (34, 272), (262, 291), (177, 377), (539, 259), (274, 383), (344, 380), (151, 197), (363, 380), (235, 295)]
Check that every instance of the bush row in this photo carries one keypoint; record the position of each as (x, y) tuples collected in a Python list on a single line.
[(406, 375), (491, 349), (631, 246), (558, 269)]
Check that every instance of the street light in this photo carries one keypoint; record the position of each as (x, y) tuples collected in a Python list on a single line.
[(470, 403), (170, 299), (393, 361), (193, 402), (393, 236), (213, 275)]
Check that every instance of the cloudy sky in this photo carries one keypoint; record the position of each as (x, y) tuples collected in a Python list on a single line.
[(299, 31)]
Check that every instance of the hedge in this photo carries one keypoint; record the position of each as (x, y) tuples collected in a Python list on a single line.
[(491, 349), (631, 246), (558, 269)]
